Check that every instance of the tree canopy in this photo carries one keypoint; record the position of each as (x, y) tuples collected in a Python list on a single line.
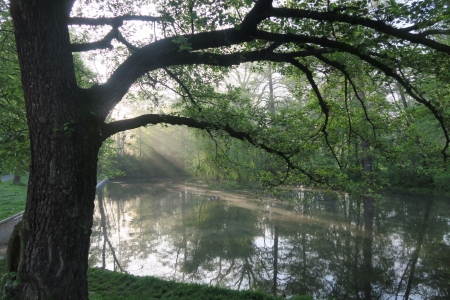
[(383, 49), (14, 141)]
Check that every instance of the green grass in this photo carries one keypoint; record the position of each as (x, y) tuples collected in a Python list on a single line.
[(12, 197), (111, 285), (107, 285)]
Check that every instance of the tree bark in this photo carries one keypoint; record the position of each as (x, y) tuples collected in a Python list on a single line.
[(17, 179), (64, 137)]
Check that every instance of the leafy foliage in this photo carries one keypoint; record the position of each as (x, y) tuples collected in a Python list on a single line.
[(14, 145), (319, 129), (14, 139)]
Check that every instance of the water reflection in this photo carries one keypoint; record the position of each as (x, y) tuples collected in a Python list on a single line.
[(396, 247)]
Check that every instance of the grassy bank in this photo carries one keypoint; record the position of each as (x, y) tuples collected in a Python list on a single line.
[(12, 197), (110, 285)]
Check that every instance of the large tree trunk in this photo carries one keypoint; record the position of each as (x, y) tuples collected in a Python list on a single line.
[(55, 231)]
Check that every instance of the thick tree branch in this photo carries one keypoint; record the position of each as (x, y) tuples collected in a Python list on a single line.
[(323, 105), (434, 31), (159, 54), (121, 39), (379, 26), (104, 43), (164, 53), (258, 13), (115, 22)]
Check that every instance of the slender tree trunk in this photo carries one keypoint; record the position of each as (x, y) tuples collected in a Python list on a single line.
[(275, 260), (55, 231), (271, 92), (16, 179), (402, 96)]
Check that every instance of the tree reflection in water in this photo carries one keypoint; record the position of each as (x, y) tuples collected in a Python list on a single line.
[(395, 247)]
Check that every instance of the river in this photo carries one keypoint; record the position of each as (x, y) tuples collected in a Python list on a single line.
[(331, 247)]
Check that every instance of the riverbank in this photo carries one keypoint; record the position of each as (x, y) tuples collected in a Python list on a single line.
[(110, 285)]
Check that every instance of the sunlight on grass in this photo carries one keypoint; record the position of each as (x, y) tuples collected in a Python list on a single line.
[(111, 285)]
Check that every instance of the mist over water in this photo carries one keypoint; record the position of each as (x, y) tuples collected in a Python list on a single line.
[(394, 247)]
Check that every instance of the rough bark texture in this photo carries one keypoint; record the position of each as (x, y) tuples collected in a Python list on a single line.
[(55, 230)]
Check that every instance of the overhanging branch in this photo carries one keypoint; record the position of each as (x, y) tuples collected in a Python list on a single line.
[(259, 12), (104, 43), (379, 26), (388, 71), (116, 21), (153, 119), (148, 59), (323, 105)]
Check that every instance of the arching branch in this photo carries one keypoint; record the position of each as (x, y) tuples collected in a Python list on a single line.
[(379, 26), (116, 21), (164, 53), (154, 119)]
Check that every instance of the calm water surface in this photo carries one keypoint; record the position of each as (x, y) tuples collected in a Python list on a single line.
[(396, 247)]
